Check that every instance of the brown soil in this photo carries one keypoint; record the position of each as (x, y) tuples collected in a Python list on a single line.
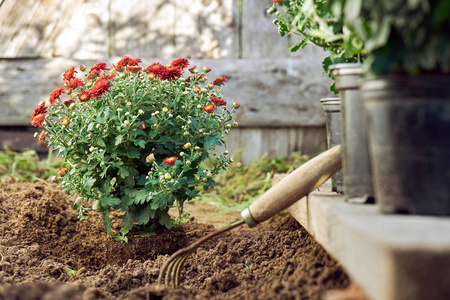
[(40, 236)]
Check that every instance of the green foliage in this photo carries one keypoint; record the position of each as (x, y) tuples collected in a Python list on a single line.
[(313, 21), (243, 183), (70, 272), (410, 36), (26, 165), (139, 142)]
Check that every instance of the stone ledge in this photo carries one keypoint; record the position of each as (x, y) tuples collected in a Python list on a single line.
[(392, 257)]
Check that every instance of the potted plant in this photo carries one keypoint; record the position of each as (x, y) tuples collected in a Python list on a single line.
[(407, 97), (314, 22), (137, 139)]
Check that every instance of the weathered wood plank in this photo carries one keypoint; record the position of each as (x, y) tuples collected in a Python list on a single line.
[(256, 142), (30, 28), (81, 31), (21, 138), (175, 28), (143, 28), (260, 36), (272, 92)]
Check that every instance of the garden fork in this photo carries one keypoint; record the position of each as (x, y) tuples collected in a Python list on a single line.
[(293, 187)]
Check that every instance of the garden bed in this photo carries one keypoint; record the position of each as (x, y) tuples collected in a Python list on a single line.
[(41, 241)]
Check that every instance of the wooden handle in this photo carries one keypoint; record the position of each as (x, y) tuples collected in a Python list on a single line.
[(296, 185)]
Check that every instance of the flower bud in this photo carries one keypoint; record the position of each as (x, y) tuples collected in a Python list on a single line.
[(193, 70), (128, 103), (36, 134), (167, 176), (236, 105), (165, 109), (65, 121), (150, 158), (206, 69), (187, 146), (126, 123), (182, 154), (188, 163), (143, 125), (235, 124)]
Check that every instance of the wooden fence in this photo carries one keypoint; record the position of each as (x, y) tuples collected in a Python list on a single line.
[(278, 91)]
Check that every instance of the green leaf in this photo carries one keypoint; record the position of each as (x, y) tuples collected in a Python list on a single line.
[(106, 222), (141, 196), (165, 220), (123, 171), (70, 272), (118, 139), (127, 220), (101, 143), (140, 143), (159, 201), (129, 181), (144, 215)]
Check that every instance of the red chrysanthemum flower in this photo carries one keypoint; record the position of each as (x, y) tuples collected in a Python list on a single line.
[(171, 73), (74, 83), (180, 63), (62, 170), (99, 67), (206, 69), (156, 69), (134, 69), (170, 160), (65, 121), (93, 74), (197, 89), (55, 94), (37, 120), (41, 109), (210, 108), (218, 101), (42, 135), (100, 87), (143, 125), (38, 115), (219, 81), (84, 96), (277, 1), (68, 102), (69, 74), (126, 60)]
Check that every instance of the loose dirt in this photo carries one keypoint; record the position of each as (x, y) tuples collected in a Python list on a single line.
[(41, 239)]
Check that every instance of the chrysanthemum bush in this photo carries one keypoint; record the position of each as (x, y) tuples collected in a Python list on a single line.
[(137, 139)]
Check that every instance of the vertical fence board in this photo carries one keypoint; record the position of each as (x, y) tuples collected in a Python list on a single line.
[(206, 29), (82, 30), (260, 36), (252, 143), (143, 28)]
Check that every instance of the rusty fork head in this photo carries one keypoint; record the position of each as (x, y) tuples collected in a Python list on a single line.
[(171, 270)]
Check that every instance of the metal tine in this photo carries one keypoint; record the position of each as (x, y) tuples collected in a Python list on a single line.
[(171, 270)]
